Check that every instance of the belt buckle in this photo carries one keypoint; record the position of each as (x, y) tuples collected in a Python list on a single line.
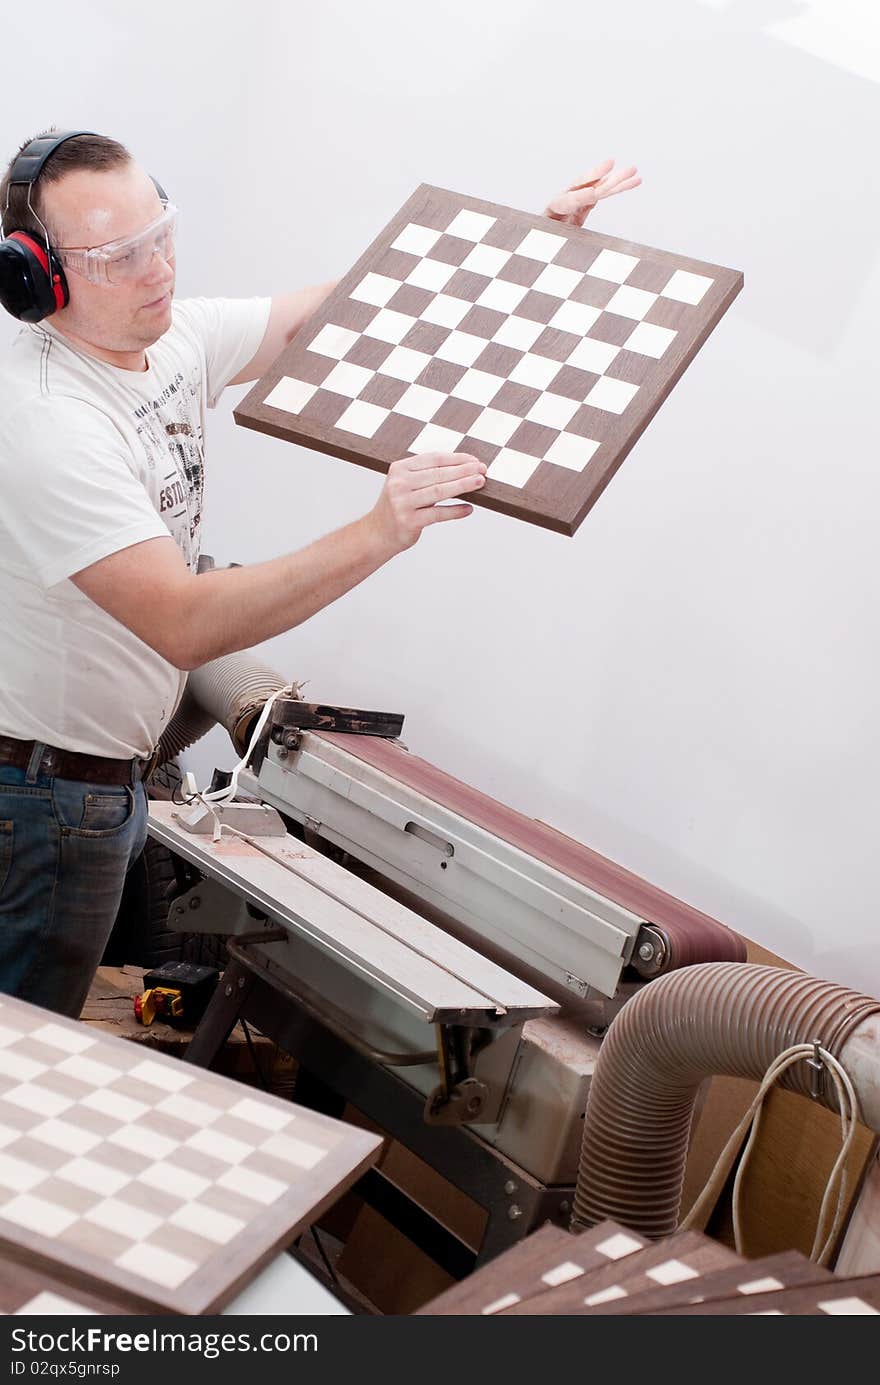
[(148, 765)]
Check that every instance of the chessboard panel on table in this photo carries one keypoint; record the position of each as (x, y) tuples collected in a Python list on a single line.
[(542, 349), (138, 1175), (32, 1291)]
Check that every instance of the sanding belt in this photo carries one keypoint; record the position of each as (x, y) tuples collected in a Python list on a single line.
[(690, 935)]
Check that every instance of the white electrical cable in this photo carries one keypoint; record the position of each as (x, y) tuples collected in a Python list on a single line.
[(849, 1114)]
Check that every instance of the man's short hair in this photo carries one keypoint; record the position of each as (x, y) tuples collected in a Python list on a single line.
[(82, 151)]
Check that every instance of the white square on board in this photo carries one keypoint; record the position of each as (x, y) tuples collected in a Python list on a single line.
[(513, 468), (767, 1285), (605, 1296), (470, 225), (186, 1109), (445, 311), (536, 371), (562, 1274), (19, 1176), (167, 1079), (686, 287), (125, 1219), (519, 332), (570, 451), (389, 326), (115, 1104), (290, 395), (46, 1218), (577, 318), (206, 1221), (291, 1150), (260, 1113), (672, 1272), (477, 387), (553, 410), (161, 1266), (611, 395), (171, 1178), (612, 265), (649, 340), (404, 364), (416, 239), (618, 1245), (506, 1301), (219, 1146), (557, 281), (57, 1037), (8, 1135), (333, 341), (88, 1070), (541, 245), (94, 1177), (420, 402), (141, 1139), (362, 418), (485, 259), (70, 1139), (33, 1097), (494, 426), (347, 379), (431, 274), (375, 289), (9, 1036), (502, 296), (460, 347), (46, 1304), (16, 1065), (849, 1306), (593, 355), (256, 1186), (629, 302), (435, 438)]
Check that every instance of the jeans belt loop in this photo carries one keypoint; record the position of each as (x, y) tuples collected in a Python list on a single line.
[(35, 763)]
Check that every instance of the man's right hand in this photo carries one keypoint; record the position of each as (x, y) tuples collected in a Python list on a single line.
[(414, 489)]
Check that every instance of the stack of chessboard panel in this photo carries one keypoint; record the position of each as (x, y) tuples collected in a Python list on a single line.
[(611, 1270)]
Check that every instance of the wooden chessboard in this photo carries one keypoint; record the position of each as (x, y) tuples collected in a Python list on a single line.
[(542, 349)]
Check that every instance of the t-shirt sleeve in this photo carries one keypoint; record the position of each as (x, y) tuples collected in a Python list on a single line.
[(230, 331), (72, 497)]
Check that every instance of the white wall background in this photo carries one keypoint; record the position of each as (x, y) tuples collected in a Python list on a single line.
[(690, 684)]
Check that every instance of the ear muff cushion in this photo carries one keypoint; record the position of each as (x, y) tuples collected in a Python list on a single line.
[(32, 284)]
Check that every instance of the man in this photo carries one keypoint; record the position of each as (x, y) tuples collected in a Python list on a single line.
[(102, 410)]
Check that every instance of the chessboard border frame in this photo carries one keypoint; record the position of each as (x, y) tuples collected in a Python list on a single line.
[(252, 412), (270, 1230)]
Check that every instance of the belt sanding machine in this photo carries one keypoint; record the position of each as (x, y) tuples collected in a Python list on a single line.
[(430, 956)]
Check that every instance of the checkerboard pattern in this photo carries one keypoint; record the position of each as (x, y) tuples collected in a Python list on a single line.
[(540, 348), (148, 1174)]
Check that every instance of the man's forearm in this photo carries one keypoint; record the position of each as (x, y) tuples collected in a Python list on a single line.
[(235, 608)]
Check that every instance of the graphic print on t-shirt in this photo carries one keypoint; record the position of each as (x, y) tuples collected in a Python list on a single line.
[(170, 431)]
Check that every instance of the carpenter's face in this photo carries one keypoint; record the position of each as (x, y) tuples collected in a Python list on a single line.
[(90, 208)]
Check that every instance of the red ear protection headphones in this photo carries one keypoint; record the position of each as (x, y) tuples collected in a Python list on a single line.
[(32, 282)]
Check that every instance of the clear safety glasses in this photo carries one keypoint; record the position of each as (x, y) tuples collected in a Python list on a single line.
[(124, 261)]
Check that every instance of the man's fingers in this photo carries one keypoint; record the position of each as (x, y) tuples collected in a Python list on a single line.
[(432, 476), (423, 460), (593, 176), (447, 490), (441, 513), (620, 183)]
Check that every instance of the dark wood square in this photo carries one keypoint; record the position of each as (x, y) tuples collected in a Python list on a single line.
[(652, 352)]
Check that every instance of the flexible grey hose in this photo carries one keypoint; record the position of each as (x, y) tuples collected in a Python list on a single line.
[(189, 723), (233, 690), (721, 1017)]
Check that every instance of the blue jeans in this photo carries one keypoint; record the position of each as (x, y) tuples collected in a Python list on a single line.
[(65, 849)]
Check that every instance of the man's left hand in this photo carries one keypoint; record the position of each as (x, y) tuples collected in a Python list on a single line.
[(577, 201)]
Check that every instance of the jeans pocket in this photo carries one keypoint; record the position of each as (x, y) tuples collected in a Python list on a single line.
[(85, 811), (7, 830)]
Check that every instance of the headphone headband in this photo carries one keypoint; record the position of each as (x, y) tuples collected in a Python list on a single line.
[(32, 159)]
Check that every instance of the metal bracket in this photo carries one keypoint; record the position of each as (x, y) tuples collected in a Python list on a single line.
[(817, 1072), (649, 952)]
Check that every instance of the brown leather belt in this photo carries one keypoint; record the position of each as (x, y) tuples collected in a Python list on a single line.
[(70, 764)]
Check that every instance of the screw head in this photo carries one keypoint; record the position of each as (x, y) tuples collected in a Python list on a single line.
[(510, 1187), (646, 952), (514, 1212), (228, 990)]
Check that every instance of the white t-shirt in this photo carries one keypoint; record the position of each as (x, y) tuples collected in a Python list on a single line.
[(93, 459)]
